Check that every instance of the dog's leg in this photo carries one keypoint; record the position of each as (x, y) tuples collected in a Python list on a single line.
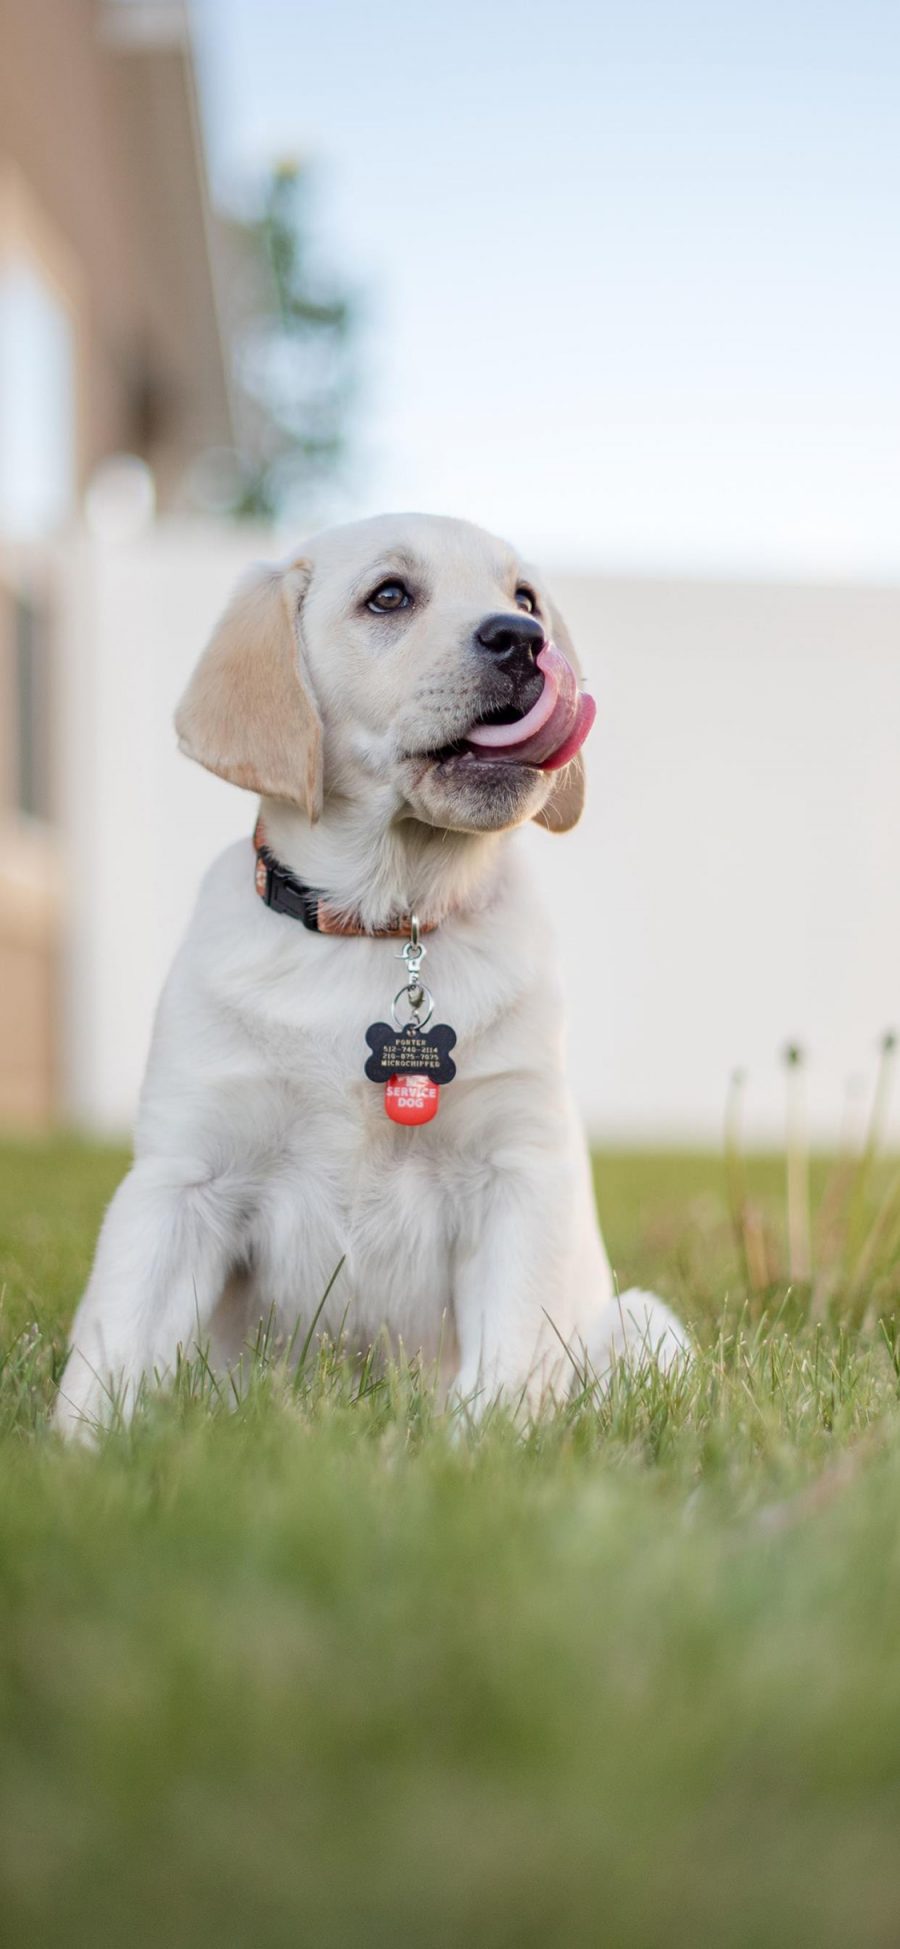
[(510, 1302), (164, 1251), (524, 1331)]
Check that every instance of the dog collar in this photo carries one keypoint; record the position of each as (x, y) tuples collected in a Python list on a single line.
[(285, 894)]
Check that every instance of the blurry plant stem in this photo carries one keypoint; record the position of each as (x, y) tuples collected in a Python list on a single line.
[(884, 1224), (830, 1223), (882, 1092), (798, 1206), (749, 1235), (854, 1226), (872, 1145)]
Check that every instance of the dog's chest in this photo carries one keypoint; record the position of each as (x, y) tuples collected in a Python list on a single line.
[(345, 1185), (349, 1189), (337, 1182)]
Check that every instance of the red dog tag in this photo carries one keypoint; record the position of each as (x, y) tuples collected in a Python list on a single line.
[(411, 1099)]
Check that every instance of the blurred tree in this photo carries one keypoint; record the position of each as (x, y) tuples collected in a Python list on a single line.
[(293, 365)]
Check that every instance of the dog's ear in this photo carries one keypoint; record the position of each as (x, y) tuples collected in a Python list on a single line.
[(566, 802), (248, 712)]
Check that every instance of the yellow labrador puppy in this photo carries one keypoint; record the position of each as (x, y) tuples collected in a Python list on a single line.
[(402, 696)]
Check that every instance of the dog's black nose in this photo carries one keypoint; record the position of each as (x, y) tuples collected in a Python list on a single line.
[(513, 641)]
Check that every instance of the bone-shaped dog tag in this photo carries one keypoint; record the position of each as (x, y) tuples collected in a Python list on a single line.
[(411, 1063)]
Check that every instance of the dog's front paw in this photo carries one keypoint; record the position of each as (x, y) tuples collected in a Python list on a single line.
[(88, 1401), (475, 1394)]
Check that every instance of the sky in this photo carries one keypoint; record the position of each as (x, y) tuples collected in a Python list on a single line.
[(629, 274)]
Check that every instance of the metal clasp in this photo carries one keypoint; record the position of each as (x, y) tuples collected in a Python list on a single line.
[(413, 953)]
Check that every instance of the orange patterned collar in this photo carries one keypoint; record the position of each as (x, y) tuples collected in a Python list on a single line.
[(285, 894)]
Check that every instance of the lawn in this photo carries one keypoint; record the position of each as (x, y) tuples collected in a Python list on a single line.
[(314, 1671)]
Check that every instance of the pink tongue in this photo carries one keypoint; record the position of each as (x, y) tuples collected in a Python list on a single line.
[(554, 728)]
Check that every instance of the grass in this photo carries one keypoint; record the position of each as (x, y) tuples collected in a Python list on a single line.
[(312, 1671)]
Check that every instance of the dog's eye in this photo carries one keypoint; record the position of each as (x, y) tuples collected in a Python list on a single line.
[(387, 597), (526, 599)]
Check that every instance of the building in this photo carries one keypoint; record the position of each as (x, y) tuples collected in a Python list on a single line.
[(109, 344), (731, 887)]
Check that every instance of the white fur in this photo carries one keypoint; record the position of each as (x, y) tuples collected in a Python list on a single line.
[(263, 1156)]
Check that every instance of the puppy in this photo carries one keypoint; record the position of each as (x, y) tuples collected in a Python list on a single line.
[(401, 695)]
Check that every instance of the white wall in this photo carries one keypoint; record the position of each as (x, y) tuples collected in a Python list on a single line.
[(733, 884), (140, 822)]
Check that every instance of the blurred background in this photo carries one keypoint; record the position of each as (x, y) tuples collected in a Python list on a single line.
[(622, 283)]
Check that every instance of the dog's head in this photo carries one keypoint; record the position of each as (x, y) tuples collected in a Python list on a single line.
[(404, 651)]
